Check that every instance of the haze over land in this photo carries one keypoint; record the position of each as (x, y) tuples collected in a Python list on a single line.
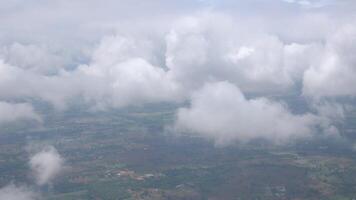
[(233, 72)]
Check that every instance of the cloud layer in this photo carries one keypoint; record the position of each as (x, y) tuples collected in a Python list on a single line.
[(116, 54)]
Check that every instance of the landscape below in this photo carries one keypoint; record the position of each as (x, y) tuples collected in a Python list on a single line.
[(132, 154)]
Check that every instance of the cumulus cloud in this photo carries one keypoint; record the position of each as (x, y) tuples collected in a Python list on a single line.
[(336, 72), (13, 192), (132, 69), (32, 85), (119, 74), (46, 165), (211, 47), (35, 58), (18, 111), (221, 112), (131, 54)]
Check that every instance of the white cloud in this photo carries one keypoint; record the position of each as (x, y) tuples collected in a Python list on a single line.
[(46, 165), (119, 74), (19, 111), (335, 74), (242, 53), (331, 114), (34, 58), (12, 192), (219, 111), (164, 51), (211, 47), (18, 84), (205, 46)]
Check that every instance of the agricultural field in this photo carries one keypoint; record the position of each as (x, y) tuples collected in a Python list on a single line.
[(133, 154)]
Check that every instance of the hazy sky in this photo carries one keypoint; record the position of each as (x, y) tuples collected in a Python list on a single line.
[(213, 54)]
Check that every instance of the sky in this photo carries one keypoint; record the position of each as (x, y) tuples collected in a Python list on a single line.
[(226, 59)]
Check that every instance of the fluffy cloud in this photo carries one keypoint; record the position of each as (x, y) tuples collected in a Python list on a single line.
[(137, 69), (12, 192), (46, 165), (336, 72), (35, 58), (55, 89), (208, 47), (14, 112), (63, 56), (220, 111), (119, 74)]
